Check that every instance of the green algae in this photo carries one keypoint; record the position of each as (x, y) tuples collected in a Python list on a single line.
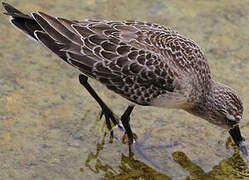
[(50, 127)]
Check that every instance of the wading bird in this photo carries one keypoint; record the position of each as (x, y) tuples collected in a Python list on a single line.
[(148, 64)]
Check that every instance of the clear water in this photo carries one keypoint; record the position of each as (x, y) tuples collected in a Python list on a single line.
[(50, 127)]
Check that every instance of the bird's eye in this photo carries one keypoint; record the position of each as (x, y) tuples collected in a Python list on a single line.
[(238, 118)]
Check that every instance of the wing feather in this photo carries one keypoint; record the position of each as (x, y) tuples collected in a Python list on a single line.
[(50, 43), (115, 54), (59, 27)]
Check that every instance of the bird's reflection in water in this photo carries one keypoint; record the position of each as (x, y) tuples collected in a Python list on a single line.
[(130, 168)]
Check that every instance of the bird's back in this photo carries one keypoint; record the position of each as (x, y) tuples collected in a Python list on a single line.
[(141, 61)]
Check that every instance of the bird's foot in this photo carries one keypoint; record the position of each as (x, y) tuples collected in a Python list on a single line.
[(139, 144), (126, 140), (109, 115), (140, 147)]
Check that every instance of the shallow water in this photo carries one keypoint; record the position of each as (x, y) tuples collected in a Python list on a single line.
[(50, 127)]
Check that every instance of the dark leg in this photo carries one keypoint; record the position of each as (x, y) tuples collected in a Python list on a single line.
[(139, 145), (105, 109), (125, 119)]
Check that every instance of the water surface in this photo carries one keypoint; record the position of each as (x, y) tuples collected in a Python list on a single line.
[(50, 127)]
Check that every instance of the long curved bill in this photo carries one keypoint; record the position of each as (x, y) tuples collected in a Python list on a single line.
[(239, 141)]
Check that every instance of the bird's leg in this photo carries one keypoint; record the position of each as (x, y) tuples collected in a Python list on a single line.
[(125, 119), (139, 145), (106, 111)]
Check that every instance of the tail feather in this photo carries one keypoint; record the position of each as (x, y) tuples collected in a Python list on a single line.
[(46, 30), (58, 35), (15, 13), (21, 21)]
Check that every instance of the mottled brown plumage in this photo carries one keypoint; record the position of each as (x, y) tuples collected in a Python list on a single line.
[(146, 63)]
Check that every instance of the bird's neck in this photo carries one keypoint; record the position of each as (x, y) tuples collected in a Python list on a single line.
[(206, 104)]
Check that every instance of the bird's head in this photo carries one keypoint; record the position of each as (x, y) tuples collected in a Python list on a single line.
[(221, 106), (226, 110)]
